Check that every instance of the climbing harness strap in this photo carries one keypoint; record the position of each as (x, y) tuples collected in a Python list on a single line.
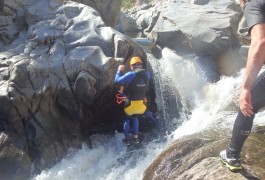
[(121, 98)]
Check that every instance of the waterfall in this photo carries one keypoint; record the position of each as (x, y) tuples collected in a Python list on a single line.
[(188, 102)]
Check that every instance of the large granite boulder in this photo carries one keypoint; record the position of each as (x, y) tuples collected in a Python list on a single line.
[(196, 157), (108, 9), (137, 18), (12, 19), (140, 18), (16, 16), (56, 82), (207, 30)]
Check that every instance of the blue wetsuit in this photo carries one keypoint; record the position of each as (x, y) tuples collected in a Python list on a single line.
[(151, 115), (147, 113), (129, 78)]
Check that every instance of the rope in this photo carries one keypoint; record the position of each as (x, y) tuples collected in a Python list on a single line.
[(121, 98)]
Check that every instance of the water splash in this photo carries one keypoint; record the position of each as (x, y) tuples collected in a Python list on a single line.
[(108, 160)]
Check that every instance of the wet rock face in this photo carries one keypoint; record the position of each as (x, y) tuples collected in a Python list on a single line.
[(196, 157), (56, 81)]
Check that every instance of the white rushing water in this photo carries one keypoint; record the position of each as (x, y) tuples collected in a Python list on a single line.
[(213, 105)]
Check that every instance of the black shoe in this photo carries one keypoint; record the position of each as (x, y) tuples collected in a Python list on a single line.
[(126, 141), (231, 160), (136, 140)]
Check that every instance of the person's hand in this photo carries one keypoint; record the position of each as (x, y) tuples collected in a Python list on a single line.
[(145, 100), (243, 4), (245, 102), (121, 67)]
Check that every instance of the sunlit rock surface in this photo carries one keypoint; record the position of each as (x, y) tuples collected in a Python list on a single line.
[(208, 29), (15, 16), (196, 157), (56, 81)]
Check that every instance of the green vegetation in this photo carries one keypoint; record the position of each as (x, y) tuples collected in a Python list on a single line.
[(127, 4)]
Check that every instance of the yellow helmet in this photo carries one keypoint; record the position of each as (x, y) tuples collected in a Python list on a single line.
[(135, 60)]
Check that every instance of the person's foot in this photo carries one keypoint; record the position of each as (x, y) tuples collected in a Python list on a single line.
[(231, 160), (126, 141), (136, 139)]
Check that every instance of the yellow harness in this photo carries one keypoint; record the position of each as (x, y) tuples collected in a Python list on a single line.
[(136, 107)]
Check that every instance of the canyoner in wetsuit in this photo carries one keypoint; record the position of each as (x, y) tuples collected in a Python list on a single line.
[(122, 100), (137, 82)]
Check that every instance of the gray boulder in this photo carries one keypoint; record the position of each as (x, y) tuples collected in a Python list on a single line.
[(209, 29), (17, 15), (137, 18), (196, 157), (56, 82), (108, 9), (242, 32), (128, 23)]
